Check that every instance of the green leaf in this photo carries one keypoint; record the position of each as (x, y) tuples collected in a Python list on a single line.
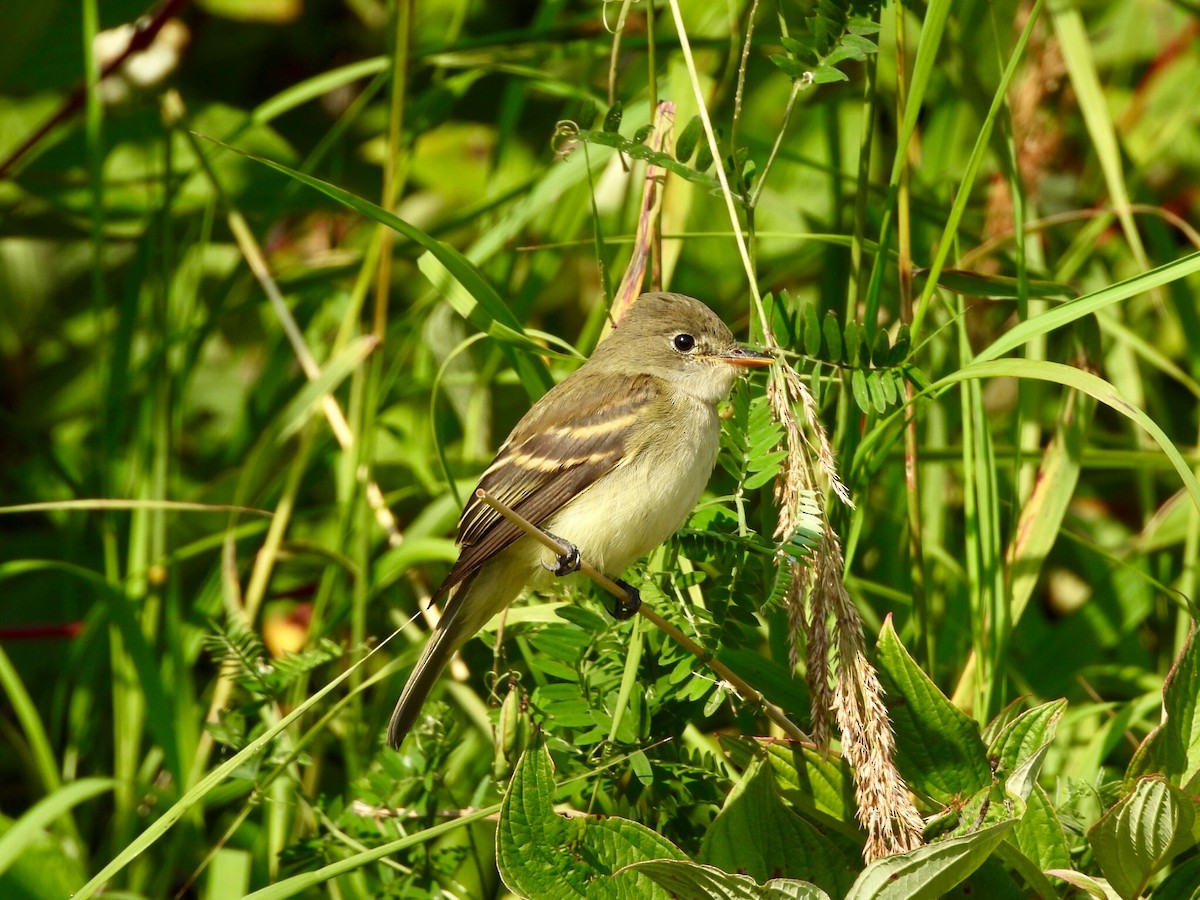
[(858, 386), (978, 284), (1180, 884), (812, 331), (755, 835), (1089, 304), (686, 143), (544, 855), (788, 66), (938, 748), (828, 75), (875, 387), (899, 351), (1144, 831), (852, 332), (1018, 751), (1098, 888), (928, 872), (821, 786), (833, 337), (22, 834), (612, 118), (1173, 747), (888, 379), (1040, 835), (300, 409), (880, 347), (689, 881), (1091, 385), (463, 285)]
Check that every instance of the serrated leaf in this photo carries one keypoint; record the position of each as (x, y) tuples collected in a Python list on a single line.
[(1097, 888), (938, 748), (1173, 747), (928, 872), (543, 855), (1144, 831), (820, 786), (1040, 835), (858, 387), (833, 337), (685, 144), (756, 835), (691, 881), (1019, 748)]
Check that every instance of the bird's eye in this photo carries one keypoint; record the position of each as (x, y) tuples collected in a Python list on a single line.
[(684, 343)]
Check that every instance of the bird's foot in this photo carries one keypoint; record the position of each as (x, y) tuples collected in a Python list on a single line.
[(568, 562), (626, 607)]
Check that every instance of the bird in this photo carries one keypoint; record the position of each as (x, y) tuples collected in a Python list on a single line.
[(611, 460)]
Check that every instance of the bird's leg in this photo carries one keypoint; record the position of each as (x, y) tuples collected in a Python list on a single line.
[(566, 563), (626, 607)]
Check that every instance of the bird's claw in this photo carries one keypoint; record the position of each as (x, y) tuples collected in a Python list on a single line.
[(566, 563), (626, 607)]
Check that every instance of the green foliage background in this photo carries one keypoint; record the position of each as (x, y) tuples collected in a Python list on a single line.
[(1049, 553)]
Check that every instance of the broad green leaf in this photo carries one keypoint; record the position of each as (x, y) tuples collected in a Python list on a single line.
[(928, 872), (1097, 888), (1144, 831), (1182, 884), (1040, 835), (690, 881), (1018, 751), (1173, 747), (818, 784), (938, 748), (756, 835), (546, 856)]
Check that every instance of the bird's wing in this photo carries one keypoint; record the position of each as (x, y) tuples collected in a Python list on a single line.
[(542, 466)]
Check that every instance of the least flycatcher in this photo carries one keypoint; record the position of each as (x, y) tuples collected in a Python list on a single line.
[(611, 461)]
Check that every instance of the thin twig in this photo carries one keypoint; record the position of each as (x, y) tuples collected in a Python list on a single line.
[(774, 713)]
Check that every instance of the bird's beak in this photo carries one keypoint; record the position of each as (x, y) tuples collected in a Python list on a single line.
[(745, 358)]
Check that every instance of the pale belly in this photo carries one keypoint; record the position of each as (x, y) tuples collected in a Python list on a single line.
[(634, 508)]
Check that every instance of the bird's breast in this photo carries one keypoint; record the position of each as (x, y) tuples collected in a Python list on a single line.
[(648, 496)]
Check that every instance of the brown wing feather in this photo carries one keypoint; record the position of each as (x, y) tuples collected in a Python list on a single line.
[(544, 464)]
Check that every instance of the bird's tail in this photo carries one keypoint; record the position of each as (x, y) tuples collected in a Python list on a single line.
[(455, 627)]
